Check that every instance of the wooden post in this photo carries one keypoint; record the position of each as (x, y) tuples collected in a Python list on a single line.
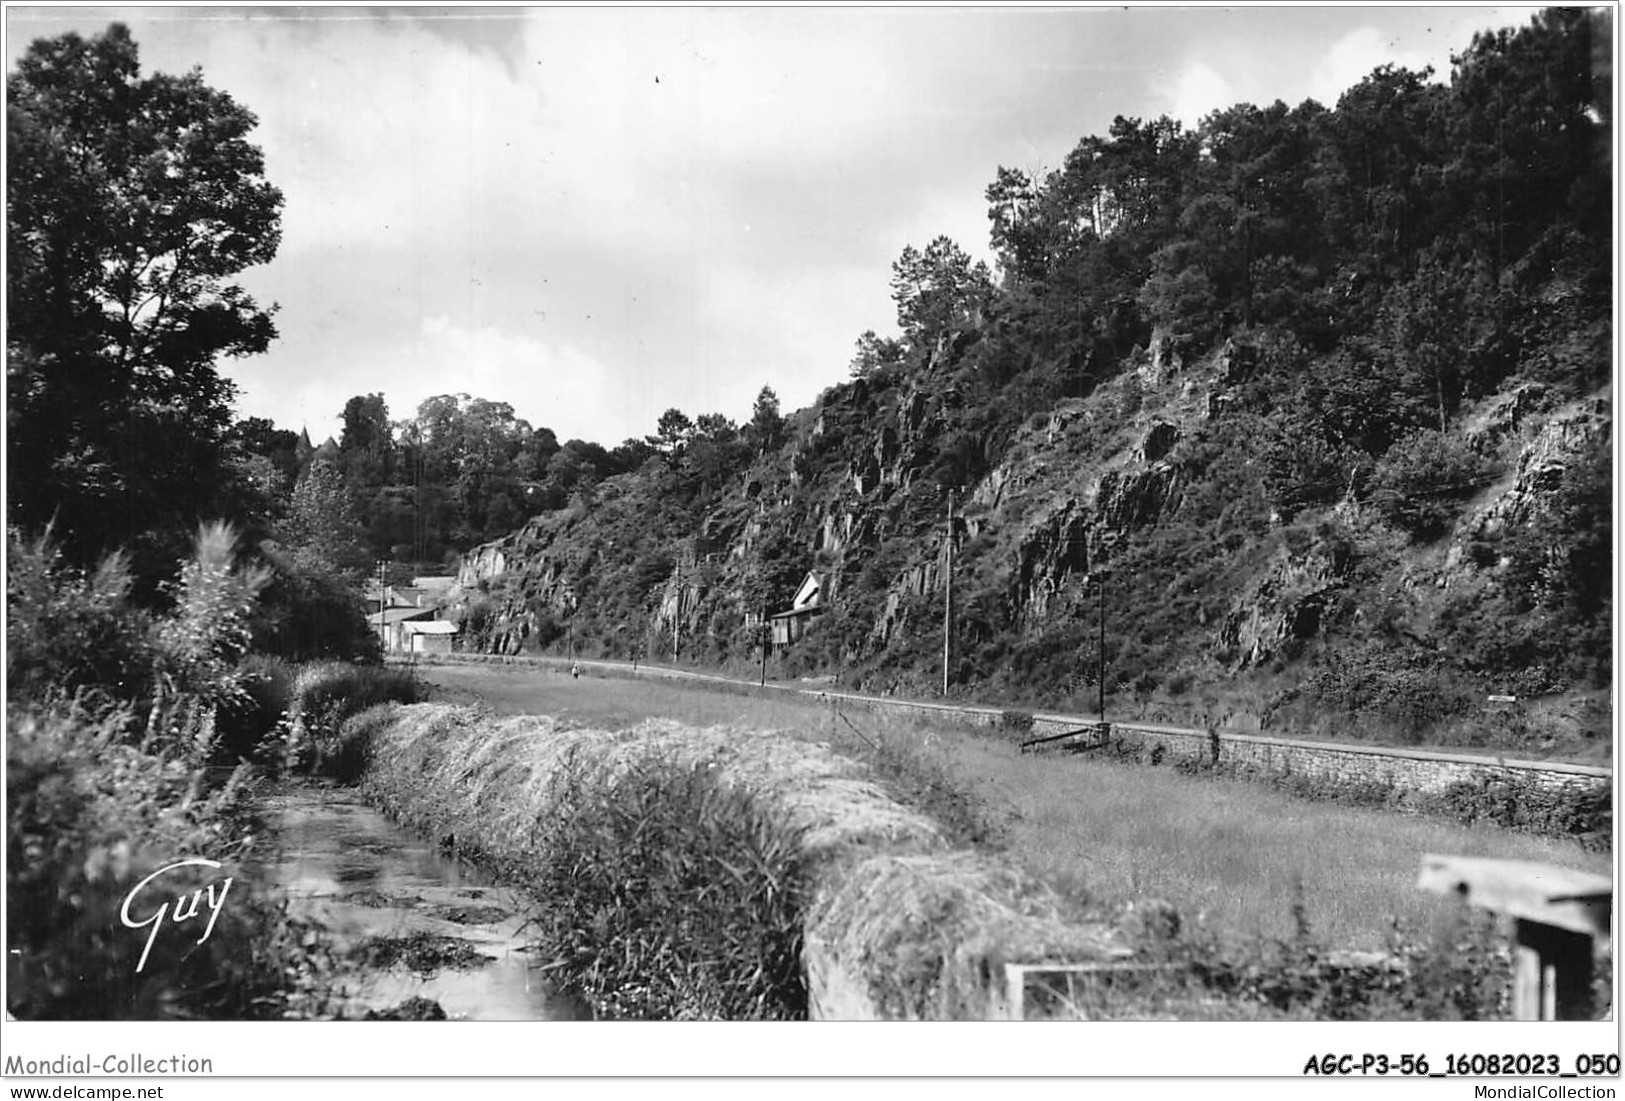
[(1008, 1000), (1557, 915)]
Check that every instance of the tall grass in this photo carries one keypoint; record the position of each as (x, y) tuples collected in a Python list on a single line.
[(667, 882), (89, 815), (665, 893), (1230, 853), (115, 719)]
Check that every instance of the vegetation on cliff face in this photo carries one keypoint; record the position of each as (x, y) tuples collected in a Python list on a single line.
[(1322, 395)]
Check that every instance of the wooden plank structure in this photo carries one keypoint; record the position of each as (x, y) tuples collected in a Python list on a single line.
[(1093, 736), (1557, 916), (1066, 983)]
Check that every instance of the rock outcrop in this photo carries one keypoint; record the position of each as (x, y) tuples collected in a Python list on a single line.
[(1541, 464), (1289, 600)]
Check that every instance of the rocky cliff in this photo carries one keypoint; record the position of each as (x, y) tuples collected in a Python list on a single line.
[(1311, 407), (1149, 487)]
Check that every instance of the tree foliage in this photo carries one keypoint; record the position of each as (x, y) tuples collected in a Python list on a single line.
[(937, 291), (132, 202), (1422, 479), (766, 422), (322, 526)]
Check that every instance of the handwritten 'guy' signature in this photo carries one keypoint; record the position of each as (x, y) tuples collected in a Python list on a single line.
[(182, 912)]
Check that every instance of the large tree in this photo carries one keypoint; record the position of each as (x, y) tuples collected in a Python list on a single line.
[(132, 203), (937, 290), (469, 458)]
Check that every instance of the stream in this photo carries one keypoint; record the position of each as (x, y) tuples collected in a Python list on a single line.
[(409, 921)]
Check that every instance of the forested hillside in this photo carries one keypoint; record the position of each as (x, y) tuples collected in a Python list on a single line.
[(1311, 405), (1319, 397)]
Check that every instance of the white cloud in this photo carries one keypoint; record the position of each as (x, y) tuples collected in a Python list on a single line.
[(1354, 55), (612, 127), (1198, 92), (557, 386), (604, 212), (1298, 64), (546, 384), (1352, 58), (678, 195)]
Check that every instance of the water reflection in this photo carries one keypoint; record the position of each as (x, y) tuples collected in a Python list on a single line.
[(344, 864)]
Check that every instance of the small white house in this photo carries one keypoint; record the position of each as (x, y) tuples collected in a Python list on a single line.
[(791, 624), (390, 625), (432, 636)]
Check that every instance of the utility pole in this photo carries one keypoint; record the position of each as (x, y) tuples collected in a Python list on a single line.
[(1102, 670), (677, 616), (763, 631), (382, 631), (948, 597)]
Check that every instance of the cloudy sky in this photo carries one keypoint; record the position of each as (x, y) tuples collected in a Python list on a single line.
[(595, 214)]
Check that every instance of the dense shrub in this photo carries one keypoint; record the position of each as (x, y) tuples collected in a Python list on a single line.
[(1521, 805), (1458, 971), (247, 725), (325, 694), (1406, 690), (311, 614), (88, 817), (1420, 481), (665, 894), (67, 629)]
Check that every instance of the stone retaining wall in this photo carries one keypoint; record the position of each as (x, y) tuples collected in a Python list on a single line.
[(1413, 771)]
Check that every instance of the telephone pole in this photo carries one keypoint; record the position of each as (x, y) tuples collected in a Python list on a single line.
[(383, 633), (948, 597), (1102, 669)]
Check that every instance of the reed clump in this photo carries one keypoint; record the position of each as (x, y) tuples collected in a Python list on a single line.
[(323, 695)]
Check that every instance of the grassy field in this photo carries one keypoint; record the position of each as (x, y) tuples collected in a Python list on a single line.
[(1231, 857)]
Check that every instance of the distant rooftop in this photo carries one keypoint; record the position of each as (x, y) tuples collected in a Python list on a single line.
[(430, 627), (391, 616)]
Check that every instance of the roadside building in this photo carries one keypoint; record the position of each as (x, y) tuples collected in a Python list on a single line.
[(791, 624), (431, 636), (389, 625), (405, 617)]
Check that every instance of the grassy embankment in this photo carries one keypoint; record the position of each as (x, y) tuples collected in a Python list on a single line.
[(1231, 856), (680, 871)]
